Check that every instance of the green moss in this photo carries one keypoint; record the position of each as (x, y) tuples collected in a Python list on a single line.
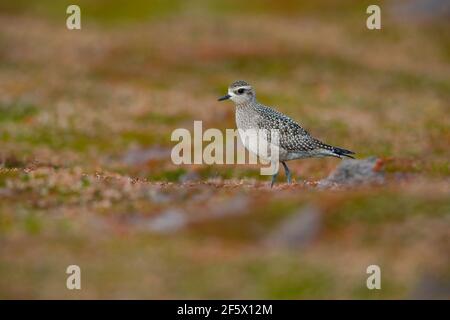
[(141, 137), (328, 8), (168, 175), (412, 81), (160, 118), (439, 168), (229, 172), (58, 139), (288, 278), (17, 112), (85, 182), (284, 64), (390, 287), (103, 11), (32, 223), (376, 209), (6, 174), (253, 226)]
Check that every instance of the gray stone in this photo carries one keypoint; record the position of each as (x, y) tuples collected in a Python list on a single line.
[(157, 196), (141, 156), (298, 230), (170, 221), (234, 206), (432, 287), (354, 172), (190, 176), (420, 11)]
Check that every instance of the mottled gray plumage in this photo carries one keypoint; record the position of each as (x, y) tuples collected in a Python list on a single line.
[(294, 141), (239, 83)]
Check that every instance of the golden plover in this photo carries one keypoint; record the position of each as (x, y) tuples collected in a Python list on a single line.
[(294, 142)]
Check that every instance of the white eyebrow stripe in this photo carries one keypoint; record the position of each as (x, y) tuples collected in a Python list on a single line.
[(243, 87)]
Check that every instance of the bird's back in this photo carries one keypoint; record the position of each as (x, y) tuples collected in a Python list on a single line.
[(294, 141)]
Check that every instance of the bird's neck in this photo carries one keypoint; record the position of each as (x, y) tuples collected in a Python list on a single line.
[(246, 115), (246, 105)]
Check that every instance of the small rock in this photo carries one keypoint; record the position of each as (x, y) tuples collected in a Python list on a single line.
[(189, 177), (431, 287), (420, 11), (298, 230), (355, 172), (10, 161), (141, 156), (168, 222), (4, 192), (233, 206), (157, 196)]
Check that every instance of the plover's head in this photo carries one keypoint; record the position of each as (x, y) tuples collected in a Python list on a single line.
[(240, 92)]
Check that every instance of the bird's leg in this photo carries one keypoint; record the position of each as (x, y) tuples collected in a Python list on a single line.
[(287, 171), (274, 177)]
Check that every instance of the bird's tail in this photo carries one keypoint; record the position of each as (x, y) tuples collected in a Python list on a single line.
[(339, 152)]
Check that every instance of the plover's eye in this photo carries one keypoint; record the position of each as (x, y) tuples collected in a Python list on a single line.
[(241, 91)]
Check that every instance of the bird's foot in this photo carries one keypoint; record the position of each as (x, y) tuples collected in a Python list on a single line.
[(289, 180), (274, 178), (287, 171)]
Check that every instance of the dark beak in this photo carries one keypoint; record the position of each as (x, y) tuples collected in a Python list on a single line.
[(225, 97)]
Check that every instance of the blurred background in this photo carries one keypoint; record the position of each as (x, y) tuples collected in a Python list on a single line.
[(85, 171)]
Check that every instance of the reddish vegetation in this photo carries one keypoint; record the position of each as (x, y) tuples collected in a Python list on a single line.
[(86, 176)]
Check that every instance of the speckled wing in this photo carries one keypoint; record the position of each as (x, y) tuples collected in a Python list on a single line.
[(292, 136)]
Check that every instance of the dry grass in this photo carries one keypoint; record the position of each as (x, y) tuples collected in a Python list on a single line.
[(74, 104)]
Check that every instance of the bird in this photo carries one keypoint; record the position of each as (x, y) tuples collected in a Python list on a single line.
[(294, 142)]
